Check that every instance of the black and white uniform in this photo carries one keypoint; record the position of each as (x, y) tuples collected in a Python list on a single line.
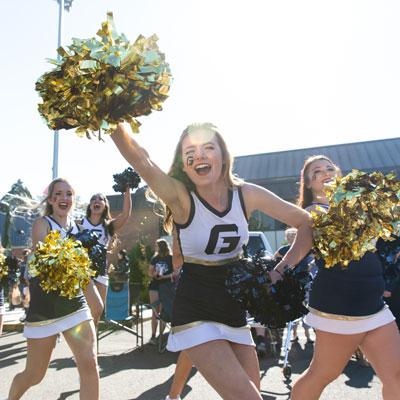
[(50, 313), (348, 301), (203, 309), (104, 239)]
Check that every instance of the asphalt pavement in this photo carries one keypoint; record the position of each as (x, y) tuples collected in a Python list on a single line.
[(129, 372)]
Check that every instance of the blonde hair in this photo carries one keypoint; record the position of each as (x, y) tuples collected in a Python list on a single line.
[(48, 210)]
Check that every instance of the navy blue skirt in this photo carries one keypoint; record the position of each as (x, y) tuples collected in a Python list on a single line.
[(354, 291)]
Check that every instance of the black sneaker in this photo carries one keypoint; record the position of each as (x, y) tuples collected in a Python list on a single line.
[(153, 340)]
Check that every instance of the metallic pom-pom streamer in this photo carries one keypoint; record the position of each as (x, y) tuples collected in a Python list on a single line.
[(61, 264), (3, 268), (13, 271), (363, 208), (129, 177), (99, 83)]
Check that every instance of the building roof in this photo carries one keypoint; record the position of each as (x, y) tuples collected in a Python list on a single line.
[(280, 171), (376, 155)]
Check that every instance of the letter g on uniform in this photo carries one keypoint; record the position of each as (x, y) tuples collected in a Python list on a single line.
[(215, 234)]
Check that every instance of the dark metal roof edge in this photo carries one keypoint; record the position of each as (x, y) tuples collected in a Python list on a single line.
[(309, 149)]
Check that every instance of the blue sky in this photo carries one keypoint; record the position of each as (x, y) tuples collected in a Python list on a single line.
[(272, 75)]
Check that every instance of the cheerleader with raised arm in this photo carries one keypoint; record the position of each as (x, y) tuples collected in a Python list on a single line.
[(346, 307), (209, 208), (50, 314), (98, 219)]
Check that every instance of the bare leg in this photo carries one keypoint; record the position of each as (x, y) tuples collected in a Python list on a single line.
[(236, 382), (37, 361), (382, 348), (102, 289), (94, 301), (82, 341), (182, 371), (154, 297), (247, 357), (331, 354), (361, 357)]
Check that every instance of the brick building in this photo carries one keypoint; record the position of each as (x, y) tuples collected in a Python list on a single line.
[(143, 225)]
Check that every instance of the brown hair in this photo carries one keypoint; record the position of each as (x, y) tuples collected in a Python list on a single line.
[(305, 194), (106, 220), (176, 169), (163, 248)]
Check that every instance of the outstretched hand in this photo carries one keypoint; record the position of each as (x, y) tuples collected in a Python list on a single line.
[(275, 276)]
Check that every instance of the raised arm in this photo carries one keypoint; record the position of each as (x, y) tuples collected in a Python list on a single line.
[(258, 198), (169, 190), (120, 220)]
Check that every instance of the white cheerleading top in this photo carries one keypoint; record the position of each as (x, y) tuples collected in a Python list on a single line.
[(55, 226), (100, 229), (213, 237)]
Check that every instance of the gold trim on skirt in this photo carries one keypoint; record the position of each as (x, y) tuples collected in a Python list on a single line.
[(181, 328), (51, 321), (343, 317), (212, 263)]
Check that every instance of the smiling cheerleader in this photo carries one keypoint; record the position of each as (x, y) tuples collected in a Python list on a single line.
[(346, 306), (209, 208), (50, 313), (98, 219)]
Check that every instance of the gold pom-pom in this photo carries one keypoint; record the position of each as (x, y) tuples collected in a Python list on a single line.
[(363, 207), (99, 83), (3, 268), (61, 264)]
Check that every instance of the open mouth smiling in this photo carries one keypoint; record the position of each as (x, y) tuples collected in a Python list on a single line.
[(202, 169), (63, 206)]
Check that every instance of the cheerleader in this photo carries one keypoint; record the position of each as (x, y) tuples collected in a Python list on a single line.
[(346, 307), (98, 219), (50, 314), (209, 208)]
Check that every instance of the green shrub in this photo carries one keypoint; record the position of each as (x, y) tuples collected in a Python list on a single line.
[(139, 257)]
